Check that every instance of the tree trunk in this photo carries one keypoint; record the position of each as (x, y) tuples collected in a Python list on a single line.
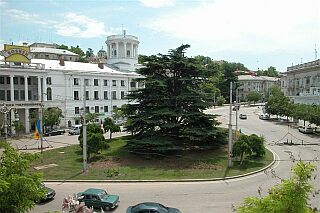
[(241, 158), (110, 135)]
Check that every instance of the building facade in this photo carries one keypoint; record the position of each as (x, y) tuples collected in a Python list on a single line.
[(25, 87), (260, 84), (302, 83)]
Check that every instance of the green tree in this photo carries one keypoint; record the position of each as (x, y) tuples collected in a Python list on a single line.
[(254, 96), (90, 117), (278, 104), (18, 126), (109, 125), (291, 195), (52, 117), (241, 147), (95, 139), (256, 144), (19, 187), (89, 53), (172, 103), (63, 47), (220, 100)]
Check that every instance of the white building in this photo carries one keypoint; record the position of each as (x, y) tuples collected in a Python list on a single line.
[(260, 84), (302, 83), (62, 84)]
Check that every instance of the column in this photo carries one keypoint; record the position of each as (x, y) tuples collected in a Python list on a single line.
[(26, 88), (45, 95), (26, 120), (108, 50), (12, 116), (136, 51), (39, 88), (11, 88), (131, 54), (125, 49), (117, 48)]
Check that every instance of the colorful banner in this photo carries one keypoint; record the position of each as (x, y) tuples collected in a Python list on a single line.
[(38, 130)]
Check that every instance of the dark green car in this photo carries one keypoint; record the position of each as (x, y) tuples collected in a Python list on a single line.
[(150, 207), (98, 198)]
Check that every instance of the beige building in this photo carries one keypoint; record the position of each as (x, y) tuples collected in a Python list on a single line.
[(302, 83), (261, 84)]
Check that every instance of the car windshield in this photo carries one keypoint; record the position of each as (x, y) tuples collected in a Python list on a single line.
[(103, 194)]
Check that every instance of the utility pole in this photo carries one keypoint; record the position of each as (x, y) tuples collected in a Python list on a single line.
[(84, 129), (230, 130), (41, 117), (236, 105)]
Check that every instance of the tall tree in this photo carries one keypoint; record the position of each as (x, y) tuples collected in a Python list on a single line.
[(52, 116), (19, 188), (254, 96), (109, 125), (171, 103)]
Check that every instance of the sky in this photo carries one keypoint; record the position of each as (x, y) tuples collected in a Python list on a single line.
[(257, 33)]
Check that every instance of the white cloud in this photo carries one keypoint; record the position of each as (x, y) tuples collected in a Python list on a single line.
[(247, 25), (75, 25), (157, 3), (27, 17)]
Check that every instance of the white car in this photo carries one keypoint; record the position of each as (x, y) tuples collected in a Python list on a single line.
[(306, 129), (264, 117)]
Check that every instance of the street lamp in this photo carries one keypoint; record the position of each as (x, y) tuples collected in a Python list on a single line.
[(5, 111)]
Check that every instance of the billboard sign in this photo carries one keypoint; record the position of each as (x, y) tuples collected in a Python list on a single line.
[(14, 53)]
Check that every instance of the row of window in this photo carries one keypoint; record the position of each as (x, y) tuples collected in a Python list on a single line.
[(19, 95), (95, 108), (96, 95), (76, 81), (20, 80)]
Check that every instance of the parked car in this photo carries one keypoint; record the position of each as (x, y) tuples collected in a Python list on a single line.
[(151, 207), (75, 130), (53, 132), (306, 129), (50, 193), (243, 116), (264, 117), (98, 198)]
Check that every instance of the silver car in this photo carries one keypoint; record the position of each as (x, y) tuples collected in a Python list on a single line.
[(306, 129)]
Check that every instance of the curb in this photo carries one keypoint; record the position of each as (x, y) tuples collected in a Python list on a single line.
[(175, 180)]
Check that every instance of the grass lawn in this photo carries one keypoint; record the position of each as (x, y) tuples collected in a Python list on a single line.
[(117, 164)]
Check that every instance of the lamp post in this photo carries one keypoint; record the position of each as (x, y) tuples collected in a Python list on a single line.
[(5, 111)]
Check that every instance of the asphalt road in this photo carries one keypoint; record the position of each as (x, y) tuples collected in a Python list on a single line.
[(217, 196)]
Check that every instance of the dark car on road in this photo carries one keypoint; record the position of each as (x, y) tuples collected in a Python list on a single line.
[(98, 198), (53, 132), (151, 207), (50, 193), (243, 116)]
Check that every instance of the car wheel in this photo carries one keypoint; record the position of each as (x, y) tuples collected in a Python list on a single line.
[(107, 208)]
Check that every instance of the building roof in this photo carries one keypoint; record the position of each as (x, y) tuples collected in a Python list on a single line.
[(256, 78), (52, 51), (76, 67)]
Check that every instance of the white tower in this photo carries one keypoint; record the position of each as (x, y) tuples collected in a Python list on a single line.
[(122, 51)]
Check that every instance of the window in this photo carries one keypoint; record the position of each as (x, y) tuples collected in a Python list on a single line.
[(95, 82), (16, 95), (128, 53), (76, 110), (96, 95), (15, 80), (87, 109), (114, 83), (105, 95), (76, 81), (114, 107), (86, 81), (2, 95), (106, 109), (141, 84), (122, 94), (8, 80), (29, 94), (114, 95), (122, 83), (22, 81), (29, 81), (8, 95), (49, 81), (96, 109), (132, 84), (1, 80), (105, 82), (22, 95), (75, 95), (87, 95), (49, 94)]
